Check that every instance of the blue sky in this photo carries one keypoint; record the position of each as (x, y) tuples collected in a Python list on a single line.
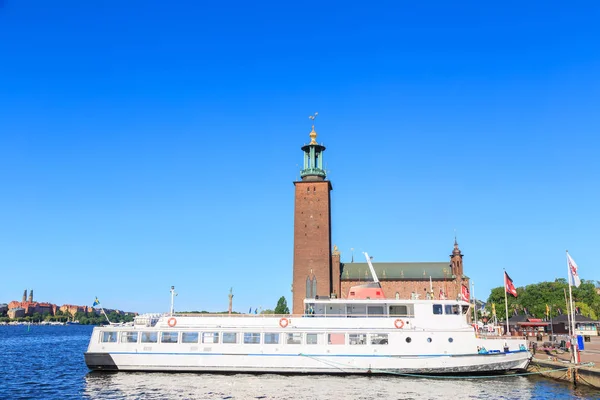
[(150, 144)]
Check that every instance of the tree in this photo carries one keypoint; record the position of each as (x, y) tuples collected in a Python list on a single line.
[(535, 297), (282, 307), (586, 310)]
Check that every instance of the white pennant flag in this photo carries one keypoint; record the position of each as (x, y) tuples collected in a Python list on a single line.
[(573, 272)]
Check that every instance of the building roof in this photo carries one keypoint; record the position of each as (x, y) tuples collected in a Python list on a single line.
[(397, 270), (578, 318), (515, 319)]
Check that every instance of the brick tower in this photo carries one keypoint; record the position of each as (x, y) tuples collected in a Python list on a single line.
[(456, 263), (312, 229)]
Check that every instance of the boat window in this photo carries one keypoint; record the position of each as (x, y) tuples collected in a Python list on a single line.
[(408, 340), (109, 337), (294, 338), (312, 338), (336, 338), (168, 337), (210, 337), (189, 337), (356, 309), (374, 310), (229, 337), (399, 311), (129, 337), (251, 338), (428, 340), (357, 338), (437, 309), (452, 309), (271, 338), (379, 338), (149, 337), (450, 340), (465, 309)]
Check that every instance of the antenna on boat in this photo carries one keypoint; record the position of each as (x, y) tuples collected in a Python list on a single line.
[(173, 294), (375, 279)]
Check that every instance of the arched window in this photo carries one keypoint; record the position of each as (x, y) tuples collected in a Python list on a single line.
[(314, 287), (397, 296), (308, 288)]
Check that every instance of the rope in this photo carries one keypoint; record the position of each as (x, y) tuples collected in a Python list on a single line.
[(331, 363)]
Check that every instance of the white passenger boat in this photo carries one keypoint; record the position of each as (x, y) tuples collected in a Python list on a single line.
[(365, 333)]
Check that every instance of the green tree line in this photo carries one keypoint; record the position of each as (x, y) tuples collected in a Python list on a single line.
[(534, 298), (83, 318)]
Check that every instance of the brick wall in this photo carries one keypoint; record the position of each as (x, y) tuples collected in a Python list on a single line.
[(312, 240), (404, 288), (335, 274)]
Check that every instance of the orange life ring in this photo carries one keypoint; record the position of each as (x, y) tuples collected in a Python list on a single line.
[(399, 324), (283, 322), (172, 322)]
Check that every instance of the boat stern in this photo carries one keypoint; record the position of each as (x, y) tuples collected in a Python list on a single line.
[(100, 362)]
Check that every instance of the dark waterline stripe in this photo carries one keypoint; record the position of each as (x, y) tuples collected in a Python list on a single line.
[(319, 355)]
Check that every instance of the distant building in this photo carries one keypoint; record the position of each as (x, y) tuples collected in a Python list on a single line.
[(16, 312), (73, 309), (28, 307), (31, 307), (3, 309), (526, 325), (583, 325)]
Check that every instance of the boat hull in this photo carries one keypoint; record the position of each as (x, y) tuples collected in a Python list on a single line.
[(309, 363)]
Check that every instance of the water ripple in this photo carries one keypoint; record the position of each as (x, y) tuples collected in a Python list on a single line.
[(46, 362)]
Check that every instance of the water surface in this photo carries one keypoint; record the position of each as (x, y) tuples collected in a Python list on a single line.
[(46, 362)]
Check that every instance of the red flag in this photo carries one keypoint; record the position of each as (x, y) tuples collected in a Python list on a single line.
[(464, 293), (508, 285)]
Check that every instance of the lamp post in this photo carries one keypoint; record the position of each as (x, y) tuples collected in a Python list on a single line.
[(173, 294)]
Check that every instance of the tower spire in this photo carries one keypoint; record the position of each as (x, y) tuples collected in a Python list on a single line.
[(313, 157), (313, 133)]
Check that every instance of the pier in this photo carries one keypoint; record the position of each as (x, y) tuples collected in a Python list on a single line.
[(557, 365)]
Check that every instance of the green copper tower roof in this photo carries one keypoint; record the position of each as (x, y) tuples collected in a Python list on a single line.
[(313, 158)]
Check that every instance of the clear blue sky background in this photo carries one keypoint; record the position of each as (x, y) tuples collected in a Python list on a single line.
[(145, 144)]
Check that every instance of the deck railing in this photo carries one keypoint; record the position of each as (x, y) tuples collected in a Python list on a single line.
[(206, 315)]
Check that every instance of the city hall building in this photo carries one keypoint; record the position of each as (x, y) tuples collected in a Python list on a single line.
[(318, 270)]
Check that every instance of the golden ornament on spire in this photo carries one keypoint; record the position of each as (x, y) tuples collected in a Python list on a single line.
[(313, 133)]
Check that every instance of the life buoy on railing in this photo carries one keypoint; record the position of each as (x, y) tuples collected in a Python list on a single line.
[(172, 322), (399, 324), (283, 322)]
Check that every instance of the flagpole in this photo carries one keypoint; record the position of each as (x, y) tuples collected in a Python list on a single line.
[(506, 305), (474, 301), (104, 312), (567, 307), (573, 338)]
